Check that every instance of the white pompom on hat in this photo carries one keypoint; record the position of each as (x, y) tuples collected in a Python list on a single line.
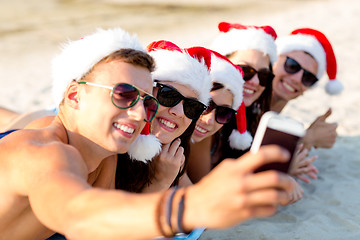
[(318, 46), (145, 147), (231, 76), (77, 58), (236, 37)]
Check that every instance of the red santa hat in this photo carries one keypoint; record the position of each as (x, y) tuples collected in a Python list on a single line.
[(236, 37), (317, 45), (188, 66), (231, 76), (78, 57)]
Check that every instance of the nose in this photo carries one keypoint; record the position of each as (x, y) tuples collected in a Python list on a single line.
[(177, 110), (254, 80), (209, 118), (137, 112), (296, 77)]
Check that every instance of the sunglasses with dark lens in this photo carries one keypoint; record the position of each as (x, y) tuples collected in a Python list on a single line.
[(291, 66), (124, 96), (222, 114), (170, 97), (265, 75)]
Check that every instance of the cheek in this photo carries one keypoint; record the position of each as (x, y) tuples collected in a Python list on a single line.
[(185, 125), (260, 90), (217, 127)]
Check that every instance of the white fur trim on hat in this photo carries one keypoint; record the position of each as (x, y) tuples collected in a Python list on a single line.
[(306, 43), (144, 148), (225, 73), (245, 39), (181, 68), (240, 141), (78, 57)]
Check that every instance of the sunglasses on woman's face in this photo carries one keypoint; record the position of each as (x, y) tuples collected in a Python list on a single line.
[(264, 74), (170, 97), (124, 95), (291, 66), (222, 114)]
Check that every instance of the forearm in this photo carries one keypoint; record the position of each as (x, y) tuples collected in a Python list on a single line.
[(112, 214)]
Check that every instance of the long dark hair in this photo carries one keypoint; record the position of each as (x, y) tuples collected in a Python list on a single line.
[(133, 176), (253, 115)]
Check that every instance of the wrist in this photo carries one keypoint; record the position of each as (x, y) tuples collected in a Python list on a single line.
[(192, 211)]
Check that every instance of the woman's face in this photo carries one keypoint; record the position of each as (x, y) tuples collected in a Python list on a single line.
[(171, 122), (206, 126), (257, 60)]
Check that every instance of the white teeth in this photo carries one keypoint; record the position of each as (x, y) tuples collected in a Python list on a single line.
[(288, 87), (200, 129), (167, 123), (124, 128), (248, 91)]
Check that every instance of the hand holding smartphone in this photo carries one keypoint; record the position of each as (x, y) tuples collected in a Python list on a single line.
[(280, 130)]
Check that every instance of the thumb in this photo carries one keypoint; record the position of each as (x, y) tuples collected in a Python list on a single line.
[(325, 116)]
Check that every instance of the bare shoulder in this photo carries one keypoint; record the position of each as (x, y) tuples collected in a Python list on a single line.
[(27, 155)]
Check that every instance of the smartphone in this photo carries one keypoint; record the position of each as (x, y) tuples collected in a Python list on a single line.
[(280, 130)]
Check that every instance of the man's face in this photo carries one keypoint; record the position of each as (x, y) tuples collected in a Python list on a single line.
[(108, 126), (289, 86)]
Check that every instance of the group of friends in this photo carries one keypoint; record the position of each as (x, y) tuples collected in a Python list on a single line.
[(154, 141)]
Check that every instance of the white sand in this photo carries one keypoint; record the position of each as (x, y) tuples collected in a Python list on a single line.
[(30, 33)]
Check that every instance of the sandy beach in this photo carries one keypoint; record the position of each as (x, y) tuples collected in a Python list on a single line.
[(31, 32)]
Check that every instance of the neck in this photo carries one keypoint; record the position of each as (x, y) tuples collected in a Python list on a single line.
[(277, 103), (92, 153)]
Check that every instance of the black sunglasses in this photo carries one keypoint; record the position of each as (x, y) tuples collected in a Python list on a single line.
[(291, 66), (124, 95), (222, 114), (265, 75), (170, 97)]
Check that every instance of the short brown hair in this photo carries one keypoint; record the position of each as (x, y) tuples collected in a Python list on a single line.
[(131, 56)]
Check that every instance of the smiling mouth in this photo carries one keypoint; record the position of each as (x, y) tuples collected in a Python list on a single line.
[(124, 128), (248, 91), (167, 123), (201, 130), (288, 87)]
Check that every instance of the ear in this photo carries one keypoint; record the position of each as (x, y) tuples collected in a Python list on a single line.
[(72, 95)]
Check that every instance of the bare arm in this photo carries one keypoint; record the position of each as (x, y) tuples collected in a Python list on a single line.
[(63, 201)]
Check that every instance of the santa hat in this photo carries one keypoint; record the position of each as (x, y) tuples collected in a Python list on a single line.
[(231, 76), (237, 37), (317, 45), (186, 66), (78, 57), (240, 138), (189, 66)]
